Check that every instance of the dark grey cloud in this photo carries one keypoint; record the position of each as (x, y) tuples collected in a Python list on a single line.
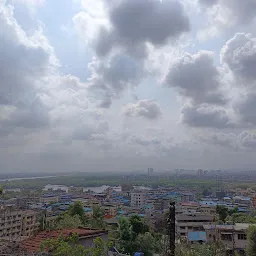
[(248, 140), (112, 77), (208, 3), (220, 139), (134, 23), (145, 141), (197, 78), (148, 109), (239, 54), (245, 109), (206, 117)]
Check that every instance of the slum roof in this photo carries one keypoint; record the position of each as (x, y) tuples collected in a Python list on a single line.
[(196, 236), (33, 244)]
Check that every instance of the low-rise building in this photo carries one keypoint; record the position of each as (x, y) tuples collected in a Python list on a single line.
[(188, 222), (233, 237), (46, 199)]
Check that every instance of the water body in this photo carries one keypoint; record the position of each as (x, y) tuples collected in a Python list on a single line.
[(27, 178)]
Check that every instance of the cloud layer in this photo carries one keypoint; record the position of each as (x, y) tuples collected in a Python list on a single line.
[(151, 91)]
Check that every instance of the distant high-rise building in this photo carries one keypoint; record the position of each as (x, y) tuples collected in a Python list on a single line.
[(200, 172)]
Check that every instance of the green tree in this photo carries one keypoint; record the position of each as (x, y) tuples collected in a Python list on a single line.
[(134, 236), (64, 246), (70, 247), (98, 217), (1, 191), (147, 244), (68, 221), (78, 209), (125, 235), (138, 225), (242, 218), (100, 247), (200, 250), (251, 238), (222, 211)]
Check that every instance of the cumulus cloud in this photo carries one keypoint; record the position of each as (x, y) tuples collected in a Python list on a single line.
[(225, 14), (131, 24), (110, 78), (205, 116), (26, 61), (197, 78), (239, 54), (148, 109)]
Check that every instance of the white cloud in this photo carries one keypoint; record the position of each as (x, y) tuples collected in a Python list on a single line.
[(148, 109)]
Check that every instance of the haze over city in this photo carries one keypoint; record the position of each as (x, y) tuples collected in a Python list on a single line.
[(121, 85)]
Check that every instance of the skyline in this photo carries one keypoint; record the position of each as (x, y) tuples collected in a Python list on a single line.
[(125, 84)]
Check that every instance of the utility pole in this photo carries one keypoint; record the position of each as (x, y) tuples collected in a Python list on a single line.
[(171, 228)]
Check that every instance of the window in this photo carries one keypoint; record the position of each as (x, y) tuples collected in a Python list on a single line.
[(226, 237), (242, 236)]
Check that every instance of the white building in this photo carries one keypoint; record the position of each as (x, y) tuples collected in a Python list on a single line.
[(138, 199)]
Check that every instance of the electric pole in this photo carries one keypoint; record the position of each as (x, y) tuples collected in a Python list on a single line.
[(171, 228)]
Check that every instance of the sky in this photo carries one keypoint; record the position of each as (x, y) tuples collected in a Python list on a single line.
[(119, 85)]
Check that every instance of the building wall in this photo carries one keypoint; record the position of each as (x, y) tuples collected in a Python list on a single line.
[(15, 224), (138, 199), (191, 222), (231, 239), (47, 200), (88, 241)]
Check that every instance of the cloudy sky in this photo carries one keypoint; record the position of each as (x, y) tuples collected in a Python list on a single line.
[(92, 85)]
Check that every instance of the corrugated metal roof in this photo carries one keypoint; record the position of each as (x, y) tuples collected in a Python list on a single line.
[(197, 236), (33, 244)]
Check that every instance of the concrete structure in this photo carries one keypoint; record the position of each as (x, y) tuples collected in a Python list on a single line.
[(190, 222), (46, 199), (254, 202), (233, 237), (109, 209), (138, 199), (17, 224)]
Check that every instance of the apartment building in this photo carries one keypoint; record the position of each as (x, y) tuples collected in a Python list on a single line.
[(17, 224), (138, 199), (190, 222), (233, 237)]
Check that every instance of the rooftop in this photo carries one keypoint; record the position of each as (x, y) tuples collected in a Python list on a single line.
[(33, 244)]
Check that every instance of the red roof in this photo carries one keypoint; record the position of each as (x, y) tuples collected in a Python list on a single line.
[(33, 244)]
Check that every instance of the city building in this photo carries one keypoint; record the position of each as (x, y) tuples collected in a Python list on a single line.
[(17, 224), (138, 199), (233, 237), (49, 198), (191, 222)]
